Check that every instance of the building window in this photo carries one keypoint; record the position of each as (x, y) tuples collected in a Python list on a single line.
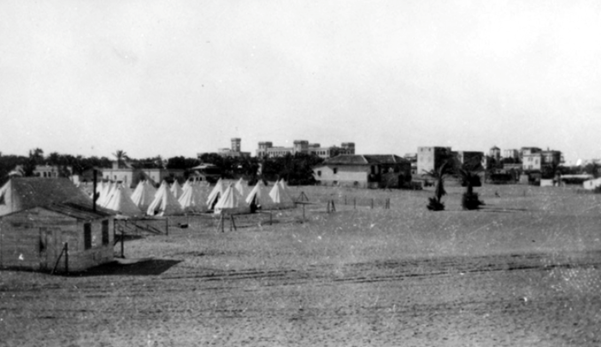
[(319, 173), (335, 170), (105, 232), (87, 236)]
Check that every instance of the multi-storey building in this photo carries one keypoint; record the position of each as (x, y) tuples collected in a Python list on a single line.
[(266, 149), (472, 160), (537, 160), (511, 153), (234, 151), (431, 158), (495, 153)]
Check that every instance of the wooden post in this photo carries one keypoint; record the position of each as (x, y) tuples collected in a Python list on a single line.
[(167, 226), (222, 222), (270, 218), (333, 207), (303, 212), (232, 222), (122, 241), (67, 257)]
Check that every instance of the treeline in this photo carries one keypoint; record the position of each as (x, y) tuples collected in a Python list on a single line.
[(295, 169)]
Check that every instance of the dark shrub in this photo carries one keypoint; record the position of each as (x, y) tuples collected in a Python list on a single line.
[(471, 201)]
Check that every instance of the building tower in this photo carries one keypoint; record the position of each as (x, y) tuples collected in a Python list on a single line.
[(348, 147), (495, 153), (301, 146), (236, 144)]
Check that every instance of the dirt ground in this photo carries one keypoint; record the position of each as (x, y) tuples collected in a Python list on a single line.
[(523, 271)]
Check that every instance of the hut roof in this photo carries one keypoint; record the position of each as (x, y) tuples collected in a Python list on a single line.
[(22, 193)]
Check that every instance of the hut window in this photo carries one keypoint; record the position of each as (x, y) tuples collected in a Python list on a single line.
[(105, 232), (87, 236)]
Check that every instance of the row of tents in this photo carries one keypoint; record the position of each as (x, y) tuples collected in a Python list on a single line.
[(225, 196)]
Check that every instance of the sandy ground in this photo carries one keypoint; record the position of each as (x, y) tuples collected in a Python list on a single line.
[(524, 271)]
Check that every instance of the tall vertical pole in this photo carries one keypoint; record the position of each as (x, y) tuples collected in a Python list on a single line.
[(94, 191), (167, 226)]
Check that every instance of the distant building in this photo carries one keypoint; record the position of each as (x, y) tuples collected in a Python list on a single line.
[(532, 161), (206, 172), (234, 151), (364, 171), (537, 160), (495, 153), (511, 153), (470, 159), (130, 176), (528, 151), (46, 171), (266, 149), (431, 158), (412, 158)]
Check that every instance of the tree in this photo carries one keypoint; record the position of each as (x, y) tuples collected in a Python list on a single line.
[(120, 155), (470, 200), (435, 203)]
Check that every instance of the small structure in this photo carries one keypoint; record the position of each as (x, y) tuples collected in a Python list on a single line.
[(364, 171), (49, 222)]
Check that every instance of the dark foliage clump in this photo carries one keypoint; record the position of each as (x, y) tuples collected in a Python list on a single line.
[(435, 204), (471, 201)]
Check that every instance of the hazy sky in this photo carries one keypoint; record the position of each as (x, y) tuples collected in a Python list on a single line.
[(180, 77)]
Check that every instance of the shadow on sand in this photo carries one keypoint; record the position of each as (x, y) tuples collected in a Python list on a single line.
[(130, 267)]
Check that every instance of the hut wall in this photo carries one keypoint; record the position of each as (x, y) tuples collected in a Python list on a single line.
[(33, 239)]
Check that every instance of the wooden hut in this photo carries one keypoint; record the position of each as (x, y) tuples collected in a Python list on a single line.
[(52, 224)]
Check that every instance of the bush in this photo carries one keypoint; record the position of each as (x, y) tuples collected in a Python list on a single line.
[(471, 201), (435, 204)]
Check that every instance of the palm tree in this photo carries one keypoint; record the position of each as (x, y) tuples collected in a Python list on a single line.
[(120, 155), (470, 200), (435, 203)]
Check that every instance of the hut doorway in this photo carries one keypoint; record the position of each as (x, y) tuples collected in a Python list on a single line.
[(49, 247)]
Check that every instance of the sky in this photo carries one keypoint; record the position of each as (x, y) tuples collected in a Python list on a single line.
[(175, 78)]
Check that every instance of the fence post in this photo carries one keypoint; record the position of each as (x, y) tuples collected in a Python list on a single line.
[(122, 240), (333, 206), (303, 212), (233, 223), (167, 226), (67, 257), (270, 218)]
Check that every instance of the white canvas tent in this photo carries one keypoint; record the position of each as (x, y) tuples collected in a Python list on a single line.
[(143, 195), (280, 197), (164, 203), (242, 187), (231, 202), (215, 194), (176, 189), (121, 202), (108, 192), (193, 198), (259, 196)]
